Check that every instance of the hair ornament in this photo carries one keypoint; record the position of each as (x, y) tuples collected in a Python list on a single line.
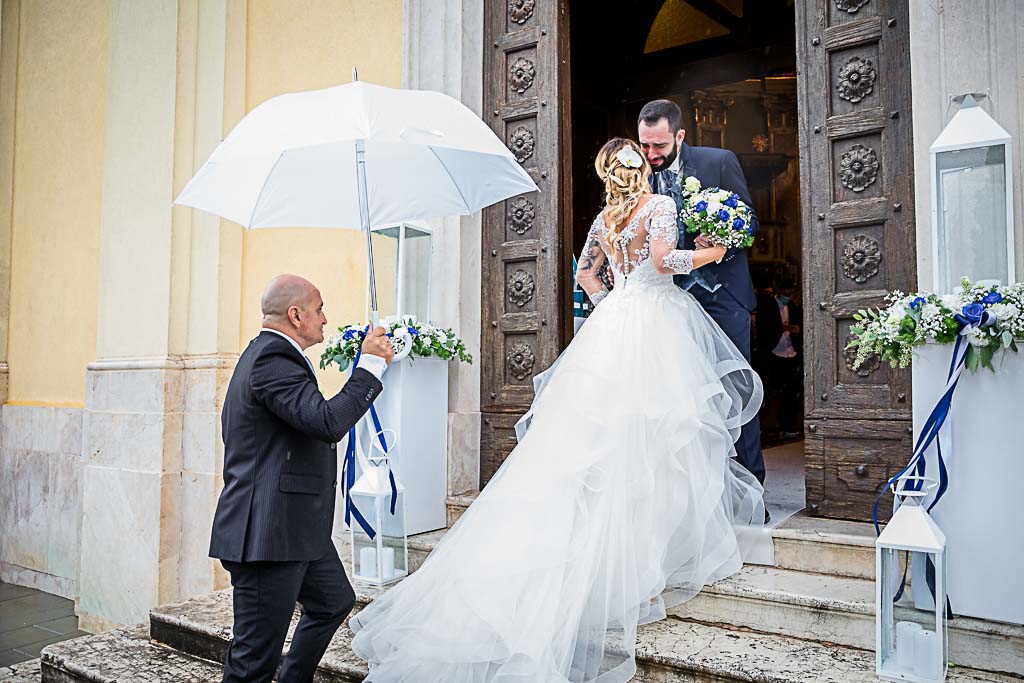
[(628, 157)]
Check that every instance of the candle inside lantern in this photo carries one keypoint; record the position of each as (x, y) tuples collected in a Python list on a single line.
[(368, 562), (388, 557), (905, 643), (926, 661)]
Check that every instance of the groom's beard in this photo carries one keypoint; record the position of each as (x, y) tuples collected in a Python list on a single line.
[(667, 160)]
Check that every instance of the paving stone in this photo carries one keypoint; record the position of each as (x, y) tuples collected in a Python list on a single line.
[(125, 655), (25, 672)]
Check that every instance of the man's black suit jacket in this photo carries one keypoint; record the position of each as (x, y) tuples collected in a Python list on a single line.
[(715, 167), (280, 454)]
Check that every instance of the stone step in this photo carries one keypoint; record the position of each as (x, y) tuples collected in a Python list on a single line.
[(125, 655), (24, 672), (839, 610), (804, 543), (667, 651)]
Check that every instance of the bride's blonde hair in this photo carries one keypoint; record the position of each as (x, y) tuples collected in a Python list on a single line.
[(623, 186)]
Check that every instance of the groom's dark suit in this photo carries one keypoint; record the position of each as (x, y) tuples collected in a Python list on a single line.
[(733, 300), (272, 528)]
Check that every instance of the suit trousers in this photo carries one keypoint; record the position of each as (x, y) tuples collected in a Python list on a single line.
[(265, 594), (734, 319)]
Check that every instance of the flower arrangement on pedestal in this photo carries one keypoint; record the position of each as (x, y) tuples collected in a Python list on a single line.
[(989, 317), (428, 341)]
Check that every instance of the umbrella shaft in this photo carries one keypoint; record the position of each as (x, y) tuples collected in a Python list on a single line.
[(364, 217)]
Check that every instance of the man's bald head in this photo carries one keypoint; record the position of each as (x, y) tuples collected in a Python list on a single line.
[(292, 305), (283, 292)]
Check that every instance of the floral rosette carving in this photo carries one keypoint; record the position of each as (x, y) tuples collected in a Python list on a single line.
[(520, 288), (522, 143), (871, 362), (521, 75), (858, 168), (520, 360), (850, 6), (520, 215), (520, 11), (856, 79), (861, 256)]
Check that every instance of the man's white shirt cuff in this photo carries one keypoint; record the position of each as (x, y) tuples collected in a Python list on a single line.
[(375, 365)]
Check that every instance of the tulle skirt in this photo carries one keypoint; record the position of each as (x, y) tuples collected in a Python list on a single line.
[(622, 499)]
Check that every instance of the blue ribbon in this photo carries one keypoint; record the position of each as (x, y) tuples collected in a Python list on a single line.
[(350, 466)]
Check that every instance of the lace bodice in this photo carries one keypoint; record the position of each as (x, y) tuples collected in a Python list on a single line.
[(649, 238)]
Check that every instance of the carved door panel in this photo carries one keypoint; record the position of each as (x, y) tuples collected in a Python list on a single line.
[(525, 77), (857, 192)]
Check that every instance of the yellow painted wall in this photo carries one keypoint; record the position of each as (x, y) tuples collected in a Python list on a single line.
[(302, 46), (58, 170)]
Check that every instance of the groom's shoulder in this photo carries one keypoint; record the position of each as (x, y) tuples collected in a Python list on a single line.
[(706, 154)]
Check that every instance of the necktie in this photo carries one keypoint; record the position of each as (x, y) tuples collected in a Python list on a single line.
[(667, 179)]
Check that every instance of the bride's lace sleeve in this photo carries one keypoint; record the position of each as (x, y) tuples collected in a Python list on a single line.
[(664, 237), (588, 266)]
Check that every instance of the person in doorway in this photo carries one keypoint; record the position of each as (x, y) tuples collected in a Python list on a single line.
[(780, 353), (724, 289), (272, 527)]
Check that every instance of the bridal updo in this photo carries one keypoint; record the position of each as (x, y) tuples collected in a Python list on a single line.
[(624, 170)]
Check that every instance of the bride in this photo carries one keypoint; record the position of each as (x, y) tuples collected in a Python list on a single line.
[(621, 500)]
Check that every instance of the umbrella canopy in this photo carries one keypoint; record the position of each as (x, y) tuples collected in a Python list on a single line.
[(292, 161)]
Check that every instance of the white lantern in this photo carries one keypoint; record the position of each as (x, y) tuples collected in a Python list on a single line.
[(972, 199), (910, 643), (401, 260), (382, 558)]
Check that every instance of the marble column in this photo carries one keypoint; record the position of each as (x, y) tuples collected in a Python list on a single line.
[(168, 312), (443, 51)]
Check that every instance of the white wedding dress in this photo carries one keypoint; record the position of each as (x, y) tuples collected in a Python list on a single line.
[(621, 500)]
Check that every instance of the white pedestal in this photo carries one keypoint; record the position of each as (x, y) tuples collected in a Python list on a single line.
[(983, 446), (414, 404)]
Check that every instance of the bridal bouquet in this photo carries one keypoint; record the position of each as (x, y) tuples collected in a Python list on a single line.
[(989, 317), (717, 214), (427, 341)]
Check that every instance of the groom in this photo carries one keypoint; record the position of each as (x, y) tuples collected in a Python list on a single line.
[(725, 290)]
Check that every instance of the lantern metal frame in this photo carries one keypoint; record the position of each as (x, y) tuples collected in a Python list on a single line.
[(910, 530), (971, 127)]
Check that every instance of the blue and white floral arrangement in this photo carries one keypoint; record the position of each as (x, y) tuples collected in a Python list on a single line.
[(428, 341), (989, 317), (717, 214)]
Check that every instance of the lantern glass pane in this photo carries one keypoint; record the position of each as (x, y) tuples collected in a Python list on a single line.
[(415, 294), (366, 551), (971, 215), (385, 269), (913, 634)]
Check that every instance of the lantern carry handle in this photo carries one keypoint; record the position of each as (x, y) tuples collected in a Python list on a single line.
[(927, 485)]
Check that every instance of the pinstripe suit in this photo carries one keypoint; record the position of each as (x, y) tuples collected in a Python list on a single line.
[(272, 528)]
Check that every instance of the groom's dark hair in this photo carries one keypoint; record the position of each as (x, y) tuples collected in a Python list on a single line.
[(657, 110)]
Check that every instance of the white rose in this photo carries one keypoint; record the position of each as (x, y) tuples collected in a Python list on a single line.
[(691, 185), (951, 301), (722, 195), (713, 207), (896, 314)]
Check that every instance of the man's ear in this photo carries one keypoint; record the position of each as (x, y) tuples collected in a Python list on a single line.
[(680, 136), (293, 315)]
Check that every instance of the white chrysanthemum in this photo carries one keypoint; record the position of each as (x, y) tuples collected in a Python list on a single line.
[(1004, 311), (691, 185), (976, 336), (896, 314)]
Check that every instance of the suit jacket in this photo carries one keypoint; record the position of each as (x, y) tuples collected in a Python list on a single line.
[(280, 454), (715, 167)]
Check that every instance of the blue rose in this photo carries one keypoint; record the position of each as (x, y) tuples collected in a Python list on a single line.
[(732, 202), (723, 215), (738, 224), (971, 314), (750, 229), (700, 206), (413, 331), (992, 298), (918, 302), (348, 334)]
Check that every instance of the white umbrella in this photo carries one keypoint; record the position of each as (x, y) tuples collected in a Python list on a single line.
[(353, 156)]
